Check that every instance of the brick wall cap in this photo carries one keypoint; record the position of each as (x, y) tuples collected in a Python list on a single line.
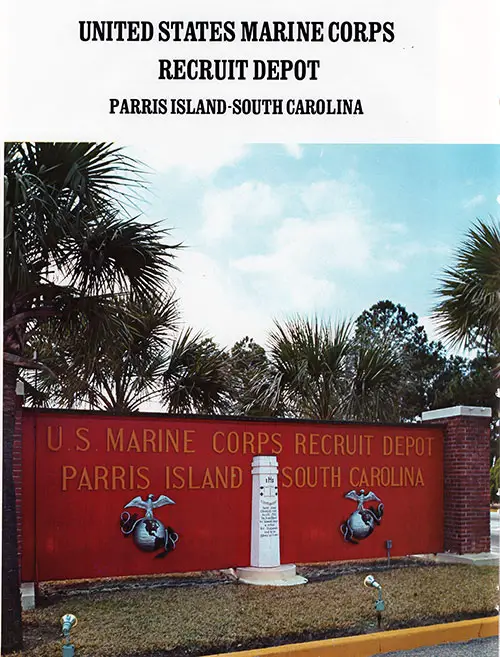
[(454, 411)]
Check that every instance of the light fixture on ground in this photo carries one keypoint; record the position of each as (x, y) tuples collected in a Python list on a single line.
[(379, 603), (68, 621)]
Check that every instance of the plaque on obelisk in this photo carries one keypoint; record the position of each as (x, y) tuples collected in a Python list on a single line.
[(265, 566)]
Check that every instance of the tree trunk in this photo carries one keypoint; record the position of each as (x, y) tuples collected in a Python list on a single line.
[(11, 598)]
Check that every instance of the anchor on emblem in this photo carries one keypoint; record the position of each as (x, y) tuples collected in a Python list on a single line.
[(361, 522), (149, 533)]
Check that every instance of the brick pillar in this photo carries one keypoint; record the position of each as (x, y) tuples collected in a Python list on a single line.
[(17, 464), (466, 477)]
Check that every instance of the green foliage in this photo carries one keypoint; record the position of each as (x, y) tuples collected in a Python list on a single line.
[(248, 367), (420, 362), (112, 365), (468, 315), (70, 245), (141, 357), (317, 370), (495, 481), (381, 368), (83, 287), (468, 312), (195, 379), (467, 382)]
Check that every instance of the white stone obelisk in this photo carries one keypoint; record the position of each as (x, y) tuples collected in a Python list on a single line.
[(265, 567), (265, 541)]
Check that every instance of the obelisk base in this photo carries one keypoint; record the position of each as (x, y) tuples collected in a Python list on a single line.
[(283, 575)]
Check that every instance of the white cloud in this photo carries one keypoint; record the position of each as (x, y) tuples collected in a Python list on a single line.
[(474, 201), (295, 150), (329, 196), (286, 280), (270, 251), (250, 203), (335, 241), (211, 300), (412, 249), (309, 254), (394, 227), (334, 233), (197, 159)]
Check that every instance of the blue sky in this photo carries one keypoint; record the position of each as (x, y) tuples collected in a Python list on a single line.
[(273, 230)]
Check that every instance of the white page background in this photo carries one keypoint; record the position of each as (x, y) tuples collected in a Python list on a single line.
[(437, 82)]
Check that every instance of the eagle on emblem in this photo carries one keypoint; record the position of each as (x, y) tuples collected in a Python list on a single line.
[(361, 522), (149, 503)]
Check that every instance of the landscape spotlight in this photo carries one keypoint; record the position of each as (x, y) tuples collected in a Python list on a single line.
[(68, 621), (370, 582)]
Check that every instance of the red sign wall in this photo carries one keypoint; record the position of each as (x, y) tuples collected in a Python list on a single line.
[(81, 469)]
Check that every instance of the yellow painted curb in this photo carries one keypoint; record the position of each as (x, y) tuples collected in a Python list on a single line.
[(366, 645)]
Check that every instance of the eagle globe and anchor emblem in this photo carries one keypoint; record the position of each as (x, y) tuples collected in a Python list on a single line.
[(149, 533), (362, 522)]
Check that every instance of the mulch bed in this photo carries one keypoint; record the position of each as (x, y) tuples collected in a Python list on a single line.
[(49, 592)]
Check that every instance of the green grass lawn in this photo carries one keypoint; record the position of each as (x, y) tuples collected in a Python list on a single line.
[(219, 617)]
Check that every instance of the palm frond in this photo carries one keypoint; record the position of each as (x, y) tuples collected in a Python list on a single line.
[(371, 391), (72, 246), (307, 359), (196, 378), (117, 255), (117, 360), (468, 312)]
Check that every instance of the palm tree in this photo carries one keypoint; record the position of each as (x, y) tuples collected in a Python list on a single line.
[(196, 377), (147, 359), (468, 314), (317, 370), (247, 360), (120, 374), (71, 246)]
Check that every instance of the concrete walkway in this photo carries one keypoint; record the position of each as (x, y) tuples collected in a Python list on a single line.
[(475, 648), (495, 532)]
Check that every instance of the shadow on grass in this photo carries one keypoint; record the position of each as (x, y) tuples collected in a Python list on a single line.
[(197, 614)]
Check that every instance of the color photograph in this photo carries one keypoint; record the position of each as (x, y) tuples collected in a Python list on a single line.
[(250, 377)]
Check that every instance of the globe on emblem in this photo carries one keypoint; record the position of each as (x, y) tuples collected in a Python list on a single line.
[(361, 524), (149, 534)]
